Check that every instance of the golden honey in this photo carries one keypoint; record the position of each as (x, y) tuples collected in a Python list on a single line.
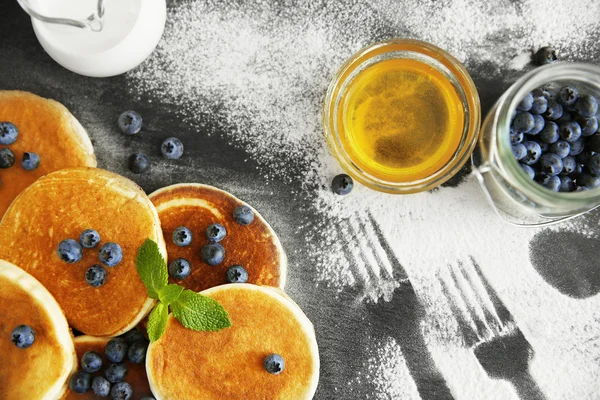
[(401, 120)]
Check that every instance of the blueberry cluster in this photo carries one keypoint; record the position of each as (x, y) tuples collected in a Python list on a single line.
[(23, 336), (110, 254), (555, 137), (131, 347), (8, 135), (212, 253)]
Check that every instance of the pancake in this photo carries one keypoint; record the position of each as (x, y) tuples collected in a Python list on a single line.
[(136, 373), (47, 128), (228, 364), (256, 246), (41, 370), (63, 204)]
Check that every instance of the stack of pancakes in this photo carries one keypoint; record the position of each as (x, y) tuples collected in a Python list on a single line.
[(67, 195)]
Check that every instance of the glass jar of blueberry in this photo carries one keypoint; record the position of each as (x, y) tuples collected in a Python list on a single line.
[(538, 158)]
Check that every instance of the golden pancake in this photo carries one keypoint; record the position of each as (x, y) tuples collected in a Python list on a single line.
[(41, 370), (256, 246), (47, 128), (228, 364), (63, 204), (136, 373)]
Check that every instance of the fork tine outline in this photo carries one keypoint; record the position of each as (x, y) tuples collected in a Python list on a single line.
[(469, 334), (499, 307), (480, 328)]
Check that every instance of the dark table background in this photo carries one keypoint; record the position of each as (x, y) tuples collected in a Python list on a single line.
[(344, 326)]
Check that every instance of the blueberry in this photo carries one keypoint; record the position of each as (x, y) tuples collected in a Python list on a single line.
[(89, 238), (589, 126), (121, 391), (7, 158), (23, 336), (101, 386), (133, 336), (243, 215), (551, 182), (523, 122), (526, 103), (534, 152), (172, 148), (566, 117), (516, 137), (594, 164), (8, 133), (576, 147), (554, 111), (215, 233), (139, 163), (593, 143), (130, 122), (213, 254), (237, 274), (542, 92), (30, 161), (110, 254), (91, 361), (569, 165), (586, 106), (519, 151), (578, 170), (550, 133), (80, 382), (180, 268), (567, 96), (581, 188), (566, 184), (538, 125), (115, 350), (560, 148), (115, 372), (343, 184), (95, 275), (539, 106), (546, 55), (274, 364), (584, 156), (182, 236), (137, 352), (551, 164), (570, 131), (588, 180), (543, 145), (70, 251), (528, 170)]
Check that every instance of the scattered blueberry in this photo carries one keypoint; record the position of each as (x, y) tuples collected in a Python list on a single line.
[(526, 103), (519, 151), (121, 391), (182, 236), (570, 131), (95, 275), (139, 163), (8, 133), (137, 352), (110, 254), (180, 268), (215, 233), (274, 364), (243, 215), (586, 106), (589, 126), (561, 148), (569, 165), (546, 55), (70, 251), (80, 382), (23, 336), (551, 182), (213, 254), (172, 148), (237, 274), (91, 361), (576, 147), (101, 386), (534, 152), (528, 170), (342, 184), (7, 158), (516, 137), (539, 123), (594, 164), (588, 180), (89, 238), (130, 122), (566, 184), (30, 161), (115, 372), (116, 349), (567, 96), (550, 133), (133, 336), (523, 122), (551, 164), (539, 106), (554, 111)]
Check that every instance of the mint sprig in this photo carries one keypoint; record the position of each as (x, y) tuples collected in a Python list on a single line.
[(194, 310)]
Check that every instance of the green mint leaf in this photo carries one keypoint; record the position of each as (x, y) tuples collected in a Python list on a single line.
[(152, 268), (200, 313), (169, 294), (157, 321)]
